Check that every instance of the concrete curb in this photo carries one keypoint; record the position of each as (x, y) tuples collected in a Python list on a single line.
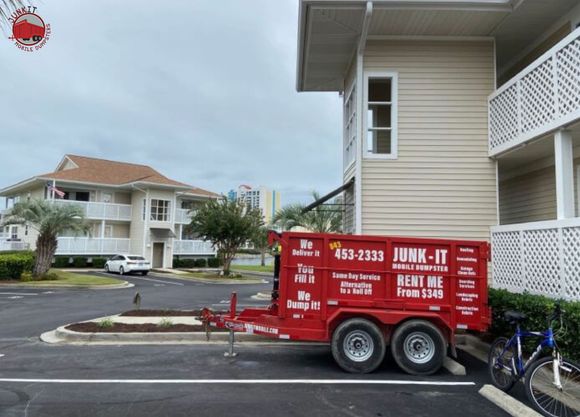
[(258, 273), (220, 282), (262, 296), (507, 403), (64, 336), (125, 284), (454, 367)]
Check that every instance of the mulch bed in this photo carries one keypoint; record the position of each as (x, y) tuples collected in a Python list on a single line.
[(92, 327), (161, 313), (165, 313)]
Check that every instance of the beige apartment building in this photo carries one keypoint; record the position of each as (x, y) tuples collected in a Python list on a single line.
[(461, 120), (132, 209)]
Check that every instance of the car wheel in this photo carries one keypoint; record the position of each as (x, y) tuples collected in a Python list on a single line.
[(358, 346), (418, 347), (107, 270), (144, 273), (121, 270)]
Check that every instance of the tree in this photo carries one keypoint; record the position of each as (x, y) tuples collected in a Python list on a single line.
[(260, 242), (49, 220), (227, 225), (7, 7), (321, 219)]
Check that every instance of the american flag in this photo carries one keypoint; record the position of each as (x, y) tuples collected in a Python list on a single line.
[(53, 188)]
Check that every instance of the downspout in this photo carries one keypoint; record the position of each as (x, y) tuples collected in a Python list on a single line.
[(144, 243), (360, 112)]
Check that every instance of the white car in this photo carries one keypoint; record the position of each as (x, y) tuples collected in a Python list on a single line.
[(125, 264)]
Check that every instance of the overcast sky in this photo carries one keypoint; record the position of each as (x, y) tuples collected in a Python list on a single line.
[(203, 91)]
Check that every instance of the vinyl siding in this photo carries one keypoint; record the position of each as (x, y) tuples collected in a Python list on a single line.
[(443, 184), (530, 197)]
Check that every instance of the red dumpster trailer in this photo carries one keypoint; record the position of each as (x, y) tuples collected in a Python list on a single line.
[(364, 293)]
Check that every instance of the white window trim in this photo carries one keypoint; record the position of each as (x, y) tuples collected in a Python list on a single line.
[(394, 114)]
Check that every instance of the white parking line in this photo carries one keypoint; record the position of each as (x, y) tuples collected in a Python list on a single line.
[(157, 280), (18, 293), (238, 381)]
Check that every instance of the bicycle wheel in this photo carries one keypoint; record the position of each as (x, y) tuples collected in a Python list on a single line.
[(499, 363), (545, 396)]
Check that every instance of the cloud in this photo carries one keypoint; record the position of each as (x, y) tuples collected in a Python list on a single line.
[(203, 92)]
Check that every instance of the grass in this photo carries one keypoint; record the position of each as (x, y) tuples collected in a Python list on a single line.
[(253, 268), (66, 278)]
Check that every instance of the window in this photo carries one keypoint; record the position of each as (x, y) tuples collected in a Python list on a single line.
[(381, 120), (160, 210), (82, 196), (14, 233), (107, 197), (349, 118)]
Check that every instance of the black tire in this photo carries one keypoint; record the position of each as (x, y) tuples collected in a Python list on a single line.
[(358, 346), (418, 347), (121, 270), (545, 398), (107, 268), (144, 273), (501, 377)]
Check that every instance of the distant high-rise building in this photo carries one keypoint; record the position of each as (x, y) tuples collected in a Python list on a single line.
[(268, 201)]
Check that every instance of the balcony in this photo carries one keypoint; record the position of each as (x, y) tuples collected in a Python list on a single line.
[(101, 211), (182, 216), (7, 245), (540, 257), (542, 98), (193, 247), (90, 246)]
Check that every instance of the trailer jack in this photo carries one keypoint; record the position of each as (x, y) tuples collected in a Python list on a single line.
[(231, 340)]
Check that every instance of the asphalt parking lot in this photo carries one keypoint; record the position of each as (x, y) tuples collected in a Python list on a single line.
[(197, 380)]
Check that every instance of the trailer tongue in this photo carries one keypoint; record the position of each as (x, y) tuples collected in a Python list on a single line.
[(363, 293)]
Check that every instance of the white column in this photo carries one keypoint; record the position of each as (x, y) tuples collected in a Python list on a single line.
[(564, 163), (102, 229)]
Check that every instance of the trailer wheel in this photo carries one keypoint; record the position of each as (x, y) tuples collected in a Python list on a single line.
[(418, 347), (358, 346)]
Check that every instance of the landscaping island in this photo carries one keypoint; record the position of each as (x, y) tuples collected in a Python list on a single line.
[(60, 278)]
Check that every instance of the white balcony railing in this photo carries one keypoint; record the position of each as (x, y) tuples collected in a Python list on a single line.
[(193, 247), (182, 216), (102, 211), (8, 245), (540, 257), (91, 246), (540, 99)]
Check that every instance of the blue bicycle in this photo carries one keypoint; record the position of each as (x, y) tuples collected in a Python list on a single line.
[(552, 383)]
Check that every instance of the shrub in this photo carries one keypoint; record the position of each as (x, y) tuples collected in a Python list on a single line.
[(62, 262), (50, 276), (106, 323), (537, 309), (184, 263), (214, 262), (26, 277), (99, 262), (165, 323), (200, 263), (13, 265), (80, 262)]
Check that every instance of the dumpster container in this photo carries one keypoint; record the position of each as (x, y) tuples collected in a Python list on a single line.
[(363, 294)]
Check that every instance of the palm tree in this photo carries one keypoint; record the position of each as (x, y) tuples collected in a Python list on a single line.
[(321, 219), (7, 7), (49, 220)]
